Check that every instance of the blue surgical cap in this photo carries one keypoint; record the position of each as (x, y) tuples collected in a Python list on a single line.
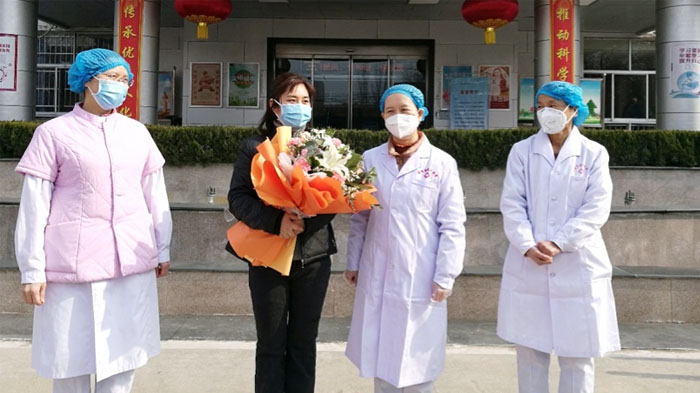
[(90, 63), (409, 91), (569, 93)]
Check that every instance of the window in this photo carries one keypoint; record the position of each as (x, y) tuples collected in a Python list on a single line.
[(55, 54), (643, 55), (628, 69), (53, 96), (606, 55)]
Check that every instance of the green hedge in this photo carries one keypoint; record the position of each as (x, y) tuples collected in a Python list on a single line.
[(473, 149)]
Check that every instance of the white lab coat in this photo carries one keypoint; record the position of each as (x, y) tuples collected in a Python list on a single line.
[(568, 306), (397, 333), (103, 327)]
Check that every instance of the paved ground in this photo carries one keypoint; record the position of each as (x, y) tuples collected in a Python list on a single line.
[(216, 354)]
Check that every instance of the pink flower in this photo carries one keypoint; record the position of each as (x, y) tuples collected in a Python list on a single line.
[(304, 153), (301, 161), (337, 142), (294, 142), (337, 176)]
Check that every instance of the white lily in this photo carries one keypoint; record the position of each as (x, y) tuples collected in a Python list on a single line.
[(333, 161)]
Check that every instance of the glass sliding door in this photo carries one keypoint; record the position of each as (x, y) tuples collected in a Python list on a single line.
[(297, 66), (369, 80), (411, 71), (331, 80), (350, 79)]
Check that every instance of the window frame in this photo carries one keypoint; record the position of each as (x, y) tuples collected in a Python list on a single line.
[(610, 120), (75, 39)]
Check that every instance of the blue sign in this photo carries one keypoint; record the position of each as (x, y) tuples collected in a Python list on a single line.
[(469, 103), (450, 73)]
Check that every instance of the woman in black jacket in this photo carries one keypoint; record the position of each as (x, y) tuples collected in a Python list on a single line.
[(287, 308)]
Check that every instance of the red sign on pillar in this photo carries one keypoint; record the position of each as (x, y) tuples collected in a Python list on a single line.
[(130, 27), (561, 20)]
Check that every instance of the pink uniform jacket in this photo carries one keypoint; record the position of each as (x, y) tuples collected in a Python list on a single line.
[(99, 226)]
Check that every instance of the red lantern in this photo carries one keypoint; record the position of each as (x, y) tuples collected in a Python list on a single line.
[(203, 12), (489, 15)]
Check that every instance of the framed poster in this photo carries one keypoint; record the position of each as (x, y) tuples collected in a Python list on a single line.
[(166, 94), (526, 101), (205, 84), (243, 85), (450, 73), (593, 98), (499, 85), (8, 62), (685, 71), (469, 98)]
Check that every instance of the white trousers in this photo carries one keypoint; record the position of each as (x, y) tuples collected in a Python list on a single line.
[(382, 386), (576, 374), (120, 383)]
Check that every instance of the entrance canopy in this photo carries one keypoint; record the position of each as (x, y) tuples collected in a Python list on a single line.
[(599, 16)]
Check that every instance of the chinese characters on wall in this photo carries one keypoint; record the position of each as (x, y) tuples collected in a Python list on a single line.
[(685, 70), (130, 23), (562, 40), (469, 103)]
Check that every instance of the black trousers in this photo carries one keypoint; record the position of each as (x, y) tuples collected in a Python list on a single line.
[(287, 312)]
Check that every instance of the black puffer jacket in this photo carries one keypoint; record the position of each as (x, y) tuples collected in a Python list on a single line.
[(317, 240)]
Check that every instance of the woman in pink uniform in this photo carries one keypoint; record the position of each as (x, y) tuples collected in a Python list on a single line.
[(93, 233)]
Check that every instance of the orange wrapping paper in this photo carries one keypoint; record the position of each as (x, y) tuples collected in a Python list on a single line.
[(318, 195)]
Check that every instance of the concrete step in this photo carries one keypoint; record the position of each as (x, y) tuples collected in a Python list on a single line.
[(633, 237), (206, 280), (642, 298), (654, 187), (654, 336)]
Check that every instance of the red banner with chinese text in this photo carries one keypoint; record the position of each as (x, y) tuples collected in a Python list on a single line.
[(130, 27), (561, 21)]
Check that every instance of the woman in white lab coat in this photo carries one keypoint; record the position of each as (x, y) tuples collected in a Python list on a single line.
[(93, 233), (556, 294), (404, 257)]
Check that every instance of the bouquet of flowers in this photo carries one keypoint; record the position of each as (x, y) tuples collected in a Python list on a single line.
[(318, 154), (312, 173)]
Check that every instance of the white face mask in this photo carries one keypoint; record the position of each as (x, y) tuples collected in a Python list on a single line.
[(553, 120), (401, 126)]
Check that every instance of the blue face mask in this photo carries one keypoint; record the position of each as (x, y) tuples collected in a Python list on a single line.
[(294, 115), (110, 94)]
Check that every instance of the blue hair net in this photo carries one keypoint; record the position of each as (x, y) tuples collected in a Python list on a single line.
[(90, 63), (569, 93), (409, 91)]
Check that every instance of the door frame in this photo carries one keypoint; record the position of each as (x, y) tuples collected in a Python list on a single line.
[(358, 48)]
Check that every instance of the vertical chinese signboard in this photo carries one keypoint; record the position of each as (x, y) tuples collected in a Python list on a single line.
[(561, 20), (130, 26)]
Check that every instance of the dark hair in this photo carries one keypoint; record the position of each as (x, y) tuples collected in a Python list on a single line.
[(284, 83)]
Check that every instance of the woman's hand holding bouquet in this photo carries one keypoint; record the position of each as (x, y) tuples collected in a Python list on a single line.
[(312, 173)]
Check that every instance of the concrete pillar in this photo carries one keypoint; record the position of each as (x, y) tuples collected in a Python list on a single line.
[(676, 26), (148, 78), (542, 44), (20, 17)]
